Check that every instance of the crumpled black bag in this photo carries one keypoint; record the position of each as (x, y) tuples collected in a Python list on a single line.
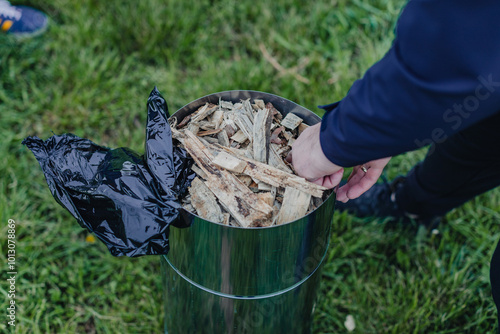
[(126, 199)]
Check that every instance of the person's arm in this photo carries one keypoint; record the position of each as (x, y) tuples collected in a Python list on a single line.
[(441, 75)]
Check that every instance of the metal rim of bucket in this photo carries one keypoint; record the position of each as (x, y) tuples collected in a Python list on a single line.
[(310, 114)]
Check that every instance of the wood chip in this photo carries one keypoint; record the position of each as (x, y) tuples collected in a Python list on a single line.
[(291, 121), (274, 176), (247, 180), (302, 127), (244, 124), (275, 159), (226, 218), (223, 138), (230, 130), (248, 152), (288, 135), (264, 186), (210, 140), (188, 207), (282, 151), (262, 135), (294, 206), (239, 150), (226, 104), (217, 118), (199, 172), (204, 202), (234, 196), (229, 162), (205, 125), (193, 127), (239, 137), (259, 104), (247, 107), (203, 112), (208, 132)]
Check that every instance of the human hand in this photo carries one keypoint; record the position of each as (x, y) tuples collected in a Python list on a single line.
[(360, 181), (310, 162)]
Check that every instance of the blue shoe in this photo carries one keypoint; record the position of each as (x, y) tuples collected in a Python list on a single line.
[(380, 202), (21, 21)]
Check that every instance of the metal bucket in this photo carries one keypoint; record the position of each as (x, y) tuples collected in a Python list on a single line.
[(225, 279)]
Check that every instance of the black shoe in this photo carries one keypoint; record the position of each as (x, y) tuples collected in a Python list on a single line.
[(380, 202)]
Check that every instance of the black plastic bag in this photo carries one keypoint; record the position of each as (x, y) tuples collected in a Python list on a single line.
[(126, 199)]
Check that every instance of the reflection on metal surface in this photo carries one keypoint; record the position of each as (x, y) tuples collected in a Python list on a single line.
[(223, 279)]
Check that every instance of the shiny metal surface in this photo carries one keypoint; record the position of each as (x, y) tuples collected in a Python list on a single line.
[(224, 279)]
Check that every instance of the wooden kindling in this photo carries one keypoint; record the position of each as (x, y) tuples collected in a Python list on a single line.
[(265, 173), (246, 207), (243, 177)]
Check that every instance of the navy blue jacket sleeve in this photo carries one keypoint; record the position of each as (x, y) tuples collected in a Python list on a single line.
[(441, 75)]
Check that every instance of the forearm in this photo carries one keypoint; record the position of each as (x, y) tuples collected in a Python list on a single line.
[(441, 75)]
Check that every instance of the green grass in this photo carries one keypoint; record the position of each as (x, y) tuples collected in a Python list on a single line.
[(91, 73)]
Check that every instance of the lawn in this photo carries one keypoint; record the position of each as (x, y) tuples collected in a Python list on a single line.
[(90, 74)]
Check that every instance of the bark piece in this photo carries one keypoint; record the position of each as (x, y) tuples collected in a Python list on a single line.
[(261, 135), (184, 121), (294, 206), (276, 114), (275, 136), (268, 198), (204, 202), (291, 121)]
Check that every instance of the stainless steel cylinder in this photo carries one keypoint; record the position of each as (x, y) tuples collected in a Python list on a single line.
[(225, 279)]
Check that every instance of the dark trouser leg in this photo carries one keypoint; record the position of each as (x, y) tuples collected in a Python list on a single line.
[(462, 167), (455, 171), (495, 279)]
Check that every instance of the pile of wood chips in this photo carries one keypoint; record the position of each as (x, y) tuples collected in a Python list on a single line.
[(243, 178)]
